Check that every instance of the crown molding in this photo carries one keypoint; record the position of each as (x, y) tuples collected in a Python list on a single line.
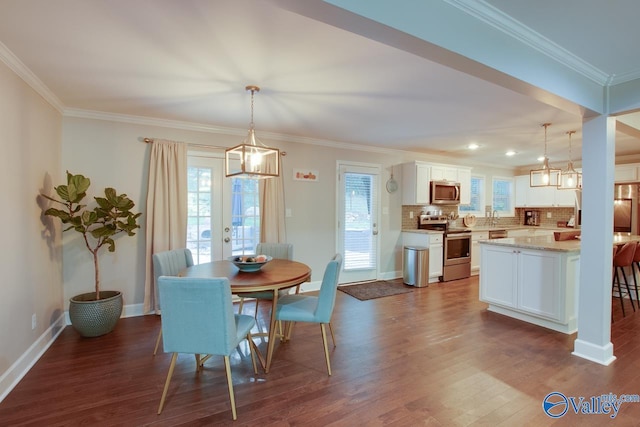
[(200, 127), (497, 19), (18, 67)]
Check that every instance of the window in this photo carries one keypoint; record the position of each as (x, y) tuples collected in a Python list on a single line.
[(245, 214), (199, 220), (476, 206), (503, 196), (223, 214)]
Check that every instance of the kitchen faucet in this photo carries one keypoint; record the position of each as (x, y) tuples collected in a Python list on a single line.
[(494, 218)]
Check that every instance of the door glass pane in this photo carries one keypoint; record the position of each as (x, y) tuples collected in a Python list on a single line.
[(199, 220), (245, 216), (359, 245)]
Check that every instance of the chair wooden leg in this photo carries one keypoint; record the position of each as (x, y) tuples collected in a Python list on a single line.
[(288, 330), (326, 349), (155, 350), (626, 284), (253, 357), (240, 305), (166, 383), (333, 338), (617, 279), (227, 367)]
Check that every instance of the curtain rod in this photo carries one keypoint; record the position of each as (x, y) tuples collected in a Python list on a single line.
[(149, 140)]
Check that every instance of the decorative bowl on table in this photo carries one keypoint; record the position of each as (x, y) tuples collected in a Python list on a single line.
[(250, 263)]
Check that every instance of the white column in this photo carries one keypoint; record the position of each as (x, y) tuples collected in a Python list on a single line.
[(594, 303)]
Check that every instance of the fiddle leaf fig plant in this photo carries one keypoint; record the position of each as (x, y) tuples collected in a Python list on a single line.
[(98, 225)]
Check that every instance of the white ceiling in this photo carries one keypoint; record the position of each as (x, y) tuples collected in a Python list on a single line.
[(190, 60)]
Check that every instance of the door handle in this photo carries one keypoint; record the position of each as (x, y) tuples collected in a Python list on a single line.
[(227, 229), (227, 240)]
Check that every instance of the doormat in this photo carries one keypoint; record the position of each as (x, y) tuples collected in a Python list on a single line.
[(377, 289)]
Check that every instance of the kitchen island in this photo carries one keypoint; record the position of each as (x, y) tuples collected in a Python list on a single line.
[(534, 279)]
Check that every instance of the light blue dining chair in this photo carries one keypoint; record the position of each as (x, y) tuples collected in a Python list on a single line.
[(169, 263), (198, 318), (313, 309), (276, 251)]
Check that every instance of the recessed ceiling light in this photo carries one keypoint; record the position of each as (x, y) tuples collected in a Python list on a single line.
[(510, 153), (473, 146)]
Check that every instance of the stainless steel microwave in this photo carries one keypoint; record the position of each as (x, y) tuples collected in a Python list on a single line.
[(445, 193)]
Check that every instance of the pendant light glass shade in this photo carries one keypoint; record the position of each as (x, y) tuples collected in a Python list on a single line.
[(252, 159), (546, 176), (570, 179)]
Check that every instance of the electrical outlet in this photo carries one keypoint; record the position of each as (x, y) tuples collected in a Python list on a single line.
[(548, 214), (410, 214), (34, 321)]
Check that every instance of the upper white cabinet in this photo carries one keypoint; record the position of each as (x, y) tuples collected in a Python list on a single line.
[(527, 196), (444, 173), (416, 177), (415, 183), (626, 173), (464, 178)]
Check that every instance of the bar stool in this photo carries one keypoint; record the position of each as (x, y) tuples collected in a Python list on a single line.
[(636, 264), (623, 258)]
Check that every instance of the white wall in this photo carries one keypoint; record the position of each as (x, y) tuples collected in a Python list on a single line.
[(44, 269), (112, 154), (30, 140)]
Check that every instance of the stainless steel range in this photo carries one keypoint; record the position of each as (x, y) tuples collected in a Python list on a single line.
[(457, 247)]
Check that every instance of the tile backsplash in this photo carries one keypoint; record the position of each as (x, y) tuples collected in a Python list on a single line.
[(556, 215)]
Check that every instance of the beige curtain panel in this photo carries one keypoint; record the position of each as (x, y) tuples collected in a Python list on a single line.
[(166, 212), (272, 209)]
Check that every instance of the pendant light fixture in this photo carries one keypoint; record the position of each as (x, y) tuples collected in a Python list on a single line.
[(546, 176), (570, 179), (252, 159)]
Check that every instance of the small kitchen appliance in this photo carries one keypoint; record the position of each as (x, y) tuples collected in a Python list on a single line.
[(532, 217)]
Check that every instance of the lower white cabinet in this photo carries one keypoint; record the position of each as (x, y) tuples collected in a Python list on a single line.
[(538, 286), (436, 256), (476, 236), (433, 241)]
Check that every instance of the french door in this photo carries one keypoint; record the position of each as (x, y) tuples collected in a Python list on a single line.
[(223, 213), (358, 202)]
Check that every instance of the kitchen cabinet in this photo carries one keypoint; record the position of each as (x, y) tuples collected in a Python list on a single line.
[(626, 173), (436, 256), (476, 236), (456, 174), (416, 178), (527, 196), (464, 178), (533, 285), (415, 183), (444, 173), (433, 241)]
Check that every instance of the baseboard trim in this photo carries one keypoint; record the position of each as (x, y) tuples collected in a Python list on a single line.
[(602, 354), (19, 369)]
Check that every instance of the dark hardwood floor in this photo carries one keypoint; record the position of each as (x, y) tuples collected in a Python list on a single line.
[(434, 356)]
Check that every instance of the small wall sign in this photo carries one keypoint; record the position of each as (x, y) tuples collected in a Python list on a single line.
[(305, 175)]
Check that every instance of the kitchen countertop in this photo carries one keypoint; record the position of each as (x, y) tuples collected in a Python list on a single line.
[(545, 243), (416, 230), (493, 228), (548, 243)]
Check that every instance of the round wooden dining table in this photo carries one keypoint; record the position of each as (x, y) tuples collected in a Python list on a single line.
[(273, 276)]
